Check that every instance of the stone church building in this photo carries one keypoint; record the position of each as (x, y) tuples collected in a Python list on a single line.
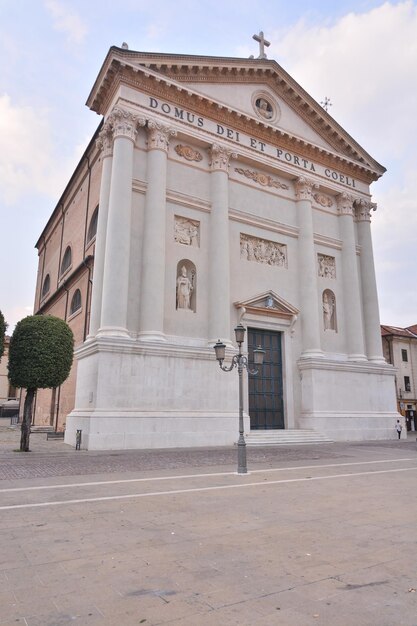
[(215, 191)]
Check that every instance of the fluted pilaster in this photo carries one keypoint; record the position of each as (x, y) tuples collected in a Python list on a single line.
[(124, 125), (154, 234), (372, 326), (310, 319), (105, 144), (353, 315), (219, 277)]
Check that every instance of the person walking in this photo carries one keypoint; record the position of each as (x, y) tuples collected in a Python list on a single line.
[(398, 428)]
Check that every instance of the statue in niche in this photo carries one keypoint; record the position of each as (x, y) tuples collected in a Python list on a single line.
[(329, 310), (184, 290)]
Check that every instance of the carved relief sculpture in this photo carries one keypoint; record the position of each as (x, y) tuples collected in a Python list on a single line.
[(185, 286), (320, 198), (262, 179), (264, 108), (186, 231), (329, 310), (326, 266), (187, 152), (263, 251)]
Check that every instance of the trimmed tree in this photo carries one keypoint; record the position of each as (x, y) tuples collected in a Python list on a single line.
[(3, 327), (40, 357)]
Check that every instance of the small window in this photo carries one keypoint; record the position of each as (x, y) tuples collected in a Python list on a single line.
[(407, 385), (46, 286), (92, 229), (75, 302), (404, 355), (67, 260)]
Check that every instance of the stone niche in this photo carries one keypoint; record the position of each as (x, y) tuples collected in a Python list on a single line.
[(186, 286)]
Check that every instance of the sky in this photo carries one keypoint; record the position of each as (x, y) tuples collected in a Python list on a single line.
[(362, 54)]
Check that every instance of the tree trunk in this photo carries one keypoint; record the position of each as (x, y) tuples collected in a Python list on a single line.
[(27, 420)]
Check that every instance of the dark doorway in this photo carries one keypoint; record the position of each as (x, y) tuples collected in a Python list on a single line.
[(266, 406)]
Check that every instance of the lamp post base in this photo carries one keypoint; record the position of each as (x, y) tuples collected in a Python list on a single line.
[(242, 467)]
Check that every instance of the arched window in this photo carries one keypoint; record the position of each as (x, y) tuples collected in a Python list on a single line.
[(46, 286), (75, 302), (92, 229), (67, 260)]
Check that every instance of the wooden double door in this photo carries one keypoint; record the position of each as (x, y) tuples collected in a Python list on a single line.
[(266, 405)]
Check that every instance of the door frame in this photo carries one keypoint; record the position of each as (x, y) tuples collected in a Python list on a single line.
[(252, 320)]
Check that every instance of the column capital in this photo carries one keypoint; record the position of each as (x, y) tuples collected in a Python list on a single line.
[(345, 202), (220, 157), (124, 123), (104, 141), (363, 209), (158, 135), (304, 188)]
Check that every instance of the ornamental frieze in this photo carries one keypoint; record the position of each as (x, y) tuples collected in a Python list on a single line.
[(262, 179), (263, 251), (323, 200), (188, 153)]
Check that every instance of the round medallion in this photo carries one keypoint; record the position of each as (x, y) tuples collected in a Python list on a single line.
[(265, 107)]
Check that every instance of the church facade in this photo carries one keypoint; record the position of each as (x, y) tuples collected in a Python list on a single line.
[(225, 194)]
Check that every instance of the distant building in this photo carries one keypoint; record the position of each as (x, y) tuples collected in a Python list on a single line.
[(400, 349), (225, 194), (9, 395)]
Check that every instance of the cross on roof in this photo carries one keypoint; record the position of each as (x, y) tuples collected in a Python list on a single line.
[(262, 44)]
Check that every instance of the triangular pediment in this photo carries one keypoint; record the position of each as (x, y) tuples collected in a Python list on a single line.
[(268, 303), (238, 87)]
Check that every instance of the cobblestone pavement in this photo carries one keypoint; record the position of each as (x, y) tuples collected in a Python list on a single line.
[(54, 458), (315, 535)]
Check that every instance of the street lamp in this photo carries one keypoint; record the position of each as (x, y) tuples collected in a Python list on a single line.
[(240, 361)]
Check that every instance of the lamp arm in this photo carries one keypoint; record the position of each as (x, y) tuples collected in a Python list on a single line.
[(234, 363), (245, 363)]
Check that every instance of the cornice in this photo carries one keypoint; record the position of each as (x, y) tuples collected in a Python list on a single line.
[(152, 74), (344, 366), (250, 219)]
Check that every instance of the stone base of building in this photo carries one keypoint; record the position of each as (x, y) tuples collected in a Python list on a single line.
[(347, 400), (104, 430)]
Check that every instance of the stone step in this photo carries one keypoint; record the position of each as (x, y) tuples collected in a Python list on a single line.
[(42, 429), (284, 437)]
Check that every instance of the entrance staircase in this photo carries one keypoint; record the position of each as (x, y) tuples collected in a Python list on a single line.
[(263, 438)]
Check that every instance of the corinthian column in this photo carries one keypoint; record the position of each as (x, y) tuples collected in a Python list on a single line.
[(219, 274), (154, 235), (353, 316), (307, 270), (105, 144), (117, 259), (369, 290)]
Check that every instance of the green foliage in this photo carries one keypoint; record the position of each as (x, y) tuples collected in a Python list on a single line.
[(3, 327), (41, 352)]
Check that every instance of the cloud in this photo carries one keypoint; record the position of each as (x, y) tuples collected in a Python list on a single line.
[(365, 63), (66, 21), (29, 154)]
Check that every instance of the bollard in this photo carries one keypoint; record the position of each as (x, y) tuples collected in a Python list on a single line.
[(78, 440)]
